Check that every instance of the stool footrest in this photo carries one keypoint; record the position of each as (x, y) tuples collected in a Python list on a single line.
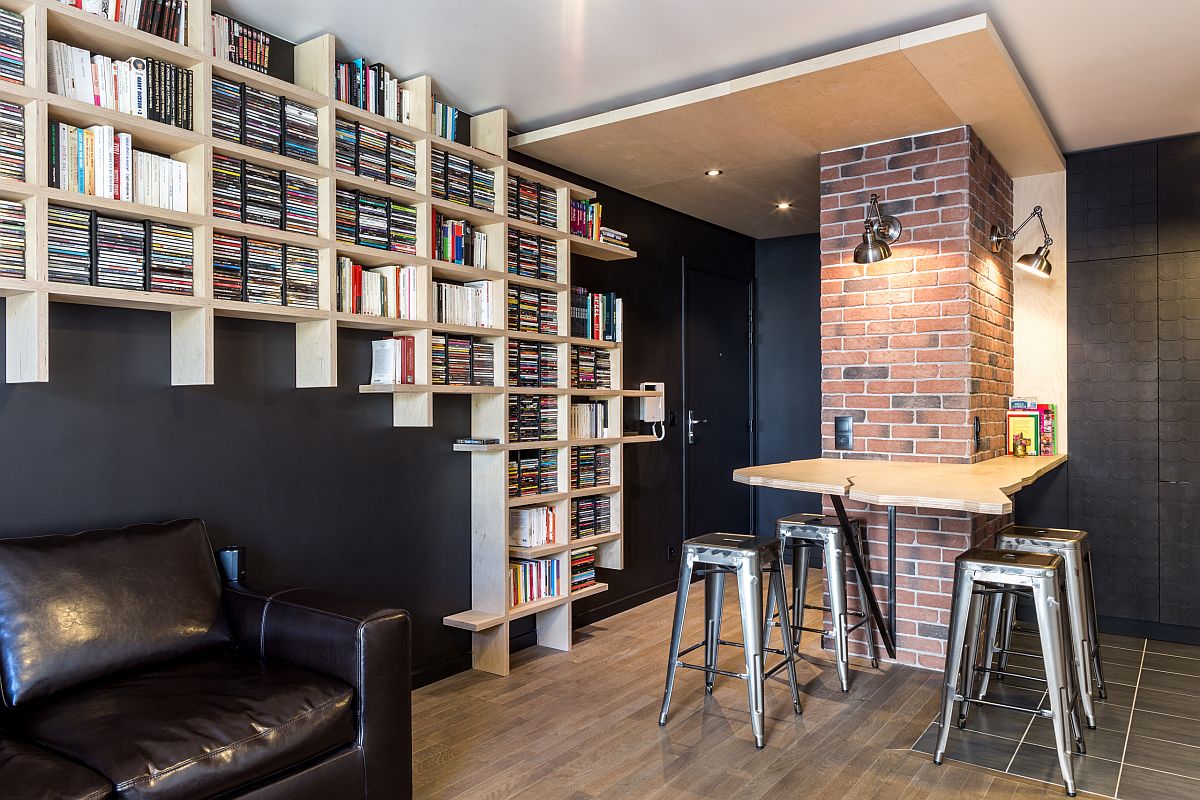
[(713, 670), (1007, 674), (1037, 712)]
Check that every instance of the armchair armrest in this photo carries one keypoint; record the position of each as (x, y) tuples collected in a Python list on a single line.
[(360, 643)]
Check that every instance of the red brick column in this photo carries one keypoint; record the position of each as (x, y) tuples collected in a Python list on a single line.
[(917, 346)]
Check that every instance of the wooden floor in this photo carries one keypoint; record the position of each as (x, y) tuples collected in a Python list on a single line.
[(584, 724)]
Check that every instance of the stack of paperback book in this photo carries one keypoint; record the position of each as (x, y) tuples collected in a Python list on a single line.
[(144, 87), (101, 162), (467, 304), (457, 241), (533, 579), (532, 527), (12, 239), (166, 19), (371, 87), (394, 360), (389, 291), (590, 420), (12, 46), (585, 222)]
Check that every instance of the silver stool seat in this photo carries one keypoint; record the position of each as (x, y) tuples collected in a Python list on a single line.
[(981, 575), (801, 533), (1074, 548), (714, 556)]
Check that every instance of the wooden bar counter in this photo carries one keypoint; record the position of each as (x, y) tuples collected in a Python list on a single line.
[(985, 487)]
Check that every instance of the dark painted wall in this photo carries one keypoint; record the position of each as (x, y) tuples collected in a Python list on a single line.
[(1134, 386), (316, 482), (787, 354), (652, 288)]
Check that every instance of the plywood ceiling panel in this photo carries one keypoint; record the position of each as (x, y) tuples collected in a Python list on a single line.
[(765, 130)]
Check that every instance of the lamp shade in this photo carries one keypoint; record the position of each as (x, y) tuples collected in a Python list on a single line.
[(1037, 262), (872, 248)]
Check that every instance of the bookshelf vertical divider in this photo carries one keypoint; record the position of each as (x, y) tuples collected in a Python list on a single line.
[(192, 318)]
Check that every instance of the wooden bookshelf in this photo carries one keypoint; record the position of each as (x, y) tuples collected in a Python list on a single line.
[(192, 317)]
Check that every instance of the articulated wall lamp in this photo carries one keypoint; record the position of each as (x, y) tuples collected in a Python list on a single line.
[(878, 233), (1037, 262)]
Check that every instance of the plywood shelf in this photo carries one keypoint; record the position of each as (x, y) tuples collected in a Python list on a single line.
[(193, 318), (603, 344), (614, 393), (595, 588), (600, 251)]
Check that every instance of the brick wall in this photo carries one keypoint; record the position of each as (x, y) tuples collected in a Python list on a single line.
[(917, 346)]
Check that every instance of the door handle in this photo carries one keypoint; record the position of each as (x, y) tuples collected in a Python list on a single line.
[(692, 422)]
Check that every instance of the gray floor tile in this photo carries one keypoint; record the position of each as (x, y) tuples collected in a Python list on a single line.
[(1091, 774), (1119, 673), (1174, 649), (1112, 717), (1119, 694), (979, 749), (1101, 743), (1126, 642), (1001, 721), (1181, 705), (1165, 663), (1115, 655), (1178, 759), (1144, 784), (1168, 728), (1171, 682)]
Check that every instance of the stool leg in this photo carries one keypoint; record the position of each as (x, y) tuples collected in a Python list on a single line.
[(995, 611), (1047, 601), (749, 578), (714, 606), (1093, 625), (974, 632), (779, 590), (1006, 628), (835, 579), (863, 605), (800, 560), (768, 621), (959, 610), (1079, 634), (681, 594)]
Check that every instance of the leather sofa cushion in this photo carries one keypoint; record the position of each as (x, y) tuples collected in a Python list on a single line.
[(77, 607), (196, 728), (28, 772)]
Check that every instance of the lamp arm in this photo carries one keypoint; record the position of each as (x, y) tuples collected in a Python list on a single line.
[(1037, 212)]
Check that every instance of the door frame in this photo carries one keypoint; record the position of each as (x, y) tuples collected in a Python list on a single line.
[(688, 265)]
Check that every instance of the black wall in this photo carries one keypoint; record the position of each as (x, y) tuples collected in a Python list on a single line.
[(787, 355), (1133, 289), (316, 482)]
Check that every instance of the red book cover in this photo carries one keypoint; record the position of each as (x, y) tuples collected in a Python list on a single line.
[(357, 289)]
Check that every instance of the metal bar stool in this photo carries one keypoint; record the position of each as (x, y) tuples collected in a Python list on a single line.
[(801, 533), (981, 575), (714, 556), (1075, 550)]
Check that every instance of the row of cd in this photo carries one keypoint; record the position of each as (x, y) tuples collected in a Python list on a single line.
[(87, 248), (375, 154), (264, 121), (248, 192)]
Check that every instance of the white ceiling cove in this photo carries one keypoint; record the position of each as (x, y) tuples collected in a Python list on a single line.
[(1102, 71)]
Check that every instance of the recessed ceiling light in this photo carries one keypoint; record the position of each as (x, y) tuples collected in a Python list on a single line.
[(712, 173), (783, 206)]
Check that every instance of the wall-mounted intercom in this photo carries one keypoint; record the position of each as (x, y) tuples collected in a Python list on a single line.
[(843, 433), (654, 409)]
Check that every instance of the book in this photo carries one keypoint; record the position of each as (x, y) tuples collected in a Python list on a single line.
[(1047, 429), (166, 19), (388, 291), (393, 360), (372, 88), (458, 242), (246, 46), (468, 304), (1025, 424), (139, 85), (590, 420), (102, 162), (596, 315), (532, 527), (533, 579)]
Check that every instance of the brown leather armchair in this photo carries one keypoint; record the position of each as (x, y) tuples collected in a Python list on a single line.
[(127, 670)]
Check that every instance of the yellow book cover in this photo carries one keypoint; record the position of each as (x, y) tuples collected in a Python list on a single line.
[(89, 161), (1026, 424)]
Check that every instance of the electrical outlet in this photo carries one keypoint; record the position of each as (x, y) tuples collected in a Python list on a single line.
[(672, 552)]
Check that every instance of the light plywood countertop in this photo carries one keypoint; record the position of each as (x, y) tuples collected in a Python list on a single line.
[(985, 487)]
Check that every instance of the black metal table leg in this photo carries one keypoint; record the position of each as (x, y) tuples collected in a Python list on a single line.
[(892, 570), (885, 632)]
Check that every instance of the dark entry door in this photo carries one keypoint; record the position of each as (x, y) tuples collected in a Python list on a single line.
[(717, 319)]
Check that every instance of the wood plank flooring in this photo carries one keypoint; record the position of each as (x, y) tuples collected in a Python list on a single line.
[(584, 725)]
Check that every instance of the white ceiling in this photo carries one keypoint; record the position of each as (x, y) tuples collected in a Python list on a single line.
[(1102, 71)]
